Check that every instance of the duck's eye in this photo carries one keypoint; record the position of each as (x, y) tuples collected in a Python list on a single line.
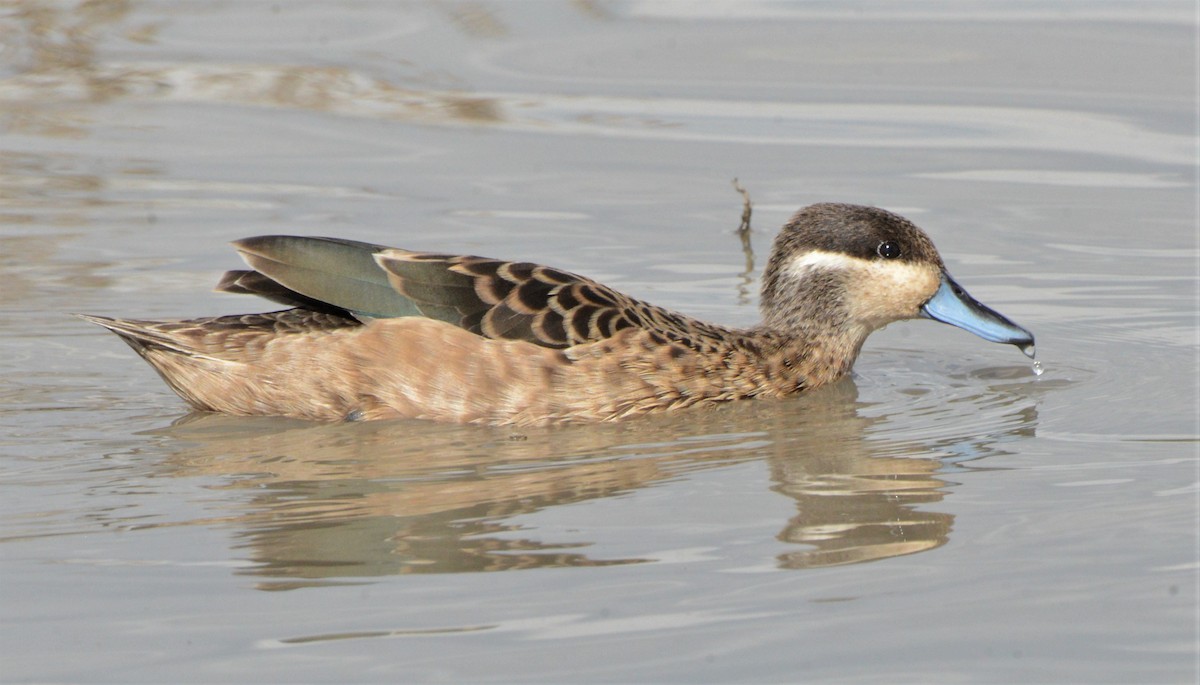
[(888, 249)]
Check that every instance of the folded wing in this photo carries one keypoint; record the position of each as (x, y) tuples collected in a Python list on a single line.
[(489, 297)]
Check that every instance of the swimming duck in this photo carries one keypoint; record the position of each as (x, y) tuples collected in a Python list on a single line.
[(374, 332)]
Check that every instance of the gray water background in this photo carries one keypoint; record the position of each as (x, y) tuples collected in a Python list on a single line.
[(942, 516)]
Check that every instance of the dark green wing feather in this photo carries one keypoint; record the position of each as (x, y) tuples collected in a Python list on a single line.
[(253, 283), (342, 273)]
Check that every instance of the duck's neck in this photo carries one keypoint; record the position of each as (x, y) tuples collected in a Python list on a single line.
[(803, 360), (814, 334)]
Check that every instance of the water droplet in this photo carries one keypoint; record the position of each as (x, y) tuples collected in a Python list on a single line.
[(1031, 352)]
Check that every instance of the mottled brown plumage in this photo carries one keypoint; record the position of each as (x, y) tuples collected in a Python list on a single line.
[(377, 332)]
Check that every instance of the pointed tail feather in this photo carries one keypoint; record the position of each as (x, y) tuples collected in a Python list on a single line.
[(175, 362), (140, 335)]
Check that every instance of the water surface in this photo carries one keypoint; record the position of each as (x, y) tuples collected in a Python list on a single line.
[(944, 515)]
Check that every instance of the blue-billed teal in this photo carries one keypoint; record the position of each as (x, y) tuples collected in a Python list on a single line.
[(373, 332)]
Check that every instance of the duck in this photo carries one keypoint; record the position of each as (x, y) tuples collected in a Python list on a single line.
[(373, 332)]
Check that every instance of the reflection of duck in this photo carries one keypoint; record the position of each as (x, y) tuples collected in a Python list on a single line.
[(325, 503), (860, 510), (384, 333)]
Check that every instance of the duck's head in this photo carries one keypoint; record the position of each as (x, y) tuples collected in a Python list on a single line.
[(851, 270)]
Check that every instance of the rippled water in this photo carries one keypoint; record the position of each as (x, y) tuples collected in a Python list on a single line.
[(945, 515)]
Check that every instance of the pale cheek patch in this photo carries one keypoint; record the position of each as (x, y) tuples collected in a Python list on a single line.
[(891, 290), (877, 291)]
